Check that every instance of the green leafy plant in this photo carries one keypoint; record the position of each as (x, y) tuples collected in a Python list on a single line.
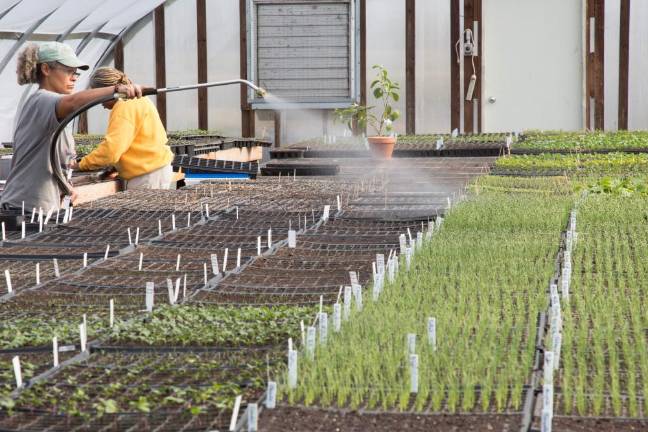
[(385, 91)]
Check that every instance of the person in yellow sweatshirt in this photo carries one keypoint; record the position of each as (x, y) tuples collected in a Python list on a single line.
[(135, 143)]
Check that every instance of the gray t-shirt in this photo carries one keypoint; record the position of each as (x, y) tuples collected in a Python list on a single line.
[(31, 179)]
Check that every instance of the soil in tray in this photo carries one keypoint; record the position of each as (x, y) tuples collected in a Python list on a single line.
[(317, 420), (584, 424)]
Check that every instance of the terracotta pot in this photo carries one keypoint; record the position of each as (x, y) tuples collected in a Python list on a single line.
[(382, 147)]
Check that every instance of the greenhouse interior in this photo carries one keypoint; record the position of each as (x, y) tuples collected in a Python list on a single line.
[(324, 215)]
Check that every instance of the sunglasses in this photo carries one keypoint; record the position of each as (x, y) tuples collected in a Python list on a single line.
[(68, 70)]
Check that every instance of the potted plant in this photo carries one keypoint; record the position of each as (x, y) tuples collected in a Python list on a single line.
[(385, 91)]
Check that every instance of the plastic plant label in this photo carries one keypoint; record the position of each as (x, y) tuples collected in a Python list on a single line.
[(82, 337), (380, 263), (419, 239), (235, 411), (130, 239), (375, 291), (55, 351), (4, 232), (57, 272), (188, 219), (431, 328), (414, 361), (547, 397), (8, 281), (37, 273), (353, 276), (337, 318), (48, 216), (252, 417), (439, 144), (160, 228), (271, 395), (107, 252), (66, 202), (357, 296), (176, 293), (325, 213), (545, 420), (66, 348), (85, 259), (347, 302), (206, 279), (455, 133), (323, 328), (411, 343), (402, 242), (408, 258), (23, 232), (173, 224), (548, 367), (259, 245), (170, 291), (111, 306), (292, 369), (178, 263), (339, 204), (17, 371), (150, 291), (509, 141), (207, 210), (409, 235), (225, 259), (141, 260), (270, 238), (137, 236), (238, 258), (310, 341), (40, 221), (214, 264), (292, 239)]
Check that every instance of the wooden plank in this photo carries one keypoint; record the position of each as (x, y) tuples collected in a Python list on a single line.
[(247, 114), (599, 65), (277, 129), (118, 55), (455, 106), (201, 26), (624, 63), (160, 62), (410, 66)]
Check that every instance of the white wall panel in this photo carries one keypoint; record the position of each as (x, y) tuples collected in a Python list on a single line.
[(433, 78), (223, 63), (386, 46), (638, 69), (181, 63)]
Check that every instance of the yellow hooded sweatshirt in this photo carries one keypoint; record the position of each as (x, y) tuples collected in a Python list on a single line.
[(135, 143)]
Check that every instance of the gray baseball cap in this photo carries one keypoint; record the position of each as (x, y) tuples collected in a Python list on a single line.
[(59, 52)]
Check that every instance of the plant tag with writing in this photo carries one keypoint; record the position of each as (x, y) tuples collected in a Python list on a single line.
[(150, 291)]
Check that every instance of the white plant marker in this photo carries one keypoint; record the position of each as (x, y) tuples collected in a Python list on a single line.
[(40, 220), (431, 327), (178, 263), (546, 419), (408, 258), (292, 369), (325, 213), (339, 205), (271, 395), (37, 273), (237, 213), (57, 273), (411, 343), (55, 351), (107, 252), (173, 225), (8, 281), (323, 328), (159, 227), (82, 337), (188, 219), (58, 212), (184, 287), (402, 241), (548, 367), (85, 259), (380, 262), (353, 276), (409, 235), (347, 303), (4, 233), (419, 239), (205, 273), (310, 341), (141, 261), (292, 239), (337, 318), (150, 292), (414, 360), (235, 411), (170, 291), (17, 371), (111, 307), (259, 246), (214, 264), (252, 417), (137, 236), (130, 239), (270, 238), (238, 258), (33, 215), (357, 296), (23, 232)]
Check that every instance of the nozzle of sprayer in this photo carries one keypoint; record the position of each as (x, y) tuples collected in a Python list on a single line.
[(261, 92)]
